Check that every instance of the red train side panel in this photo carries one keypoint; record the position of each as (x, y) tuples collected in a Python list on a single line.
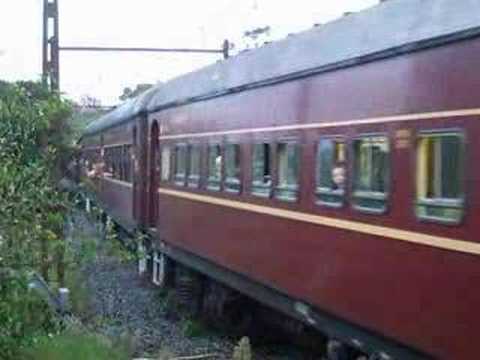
[(422, 295)]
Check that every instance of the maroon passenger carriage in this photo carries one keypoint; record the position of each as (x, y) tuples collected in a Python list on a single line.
[(330, 175)]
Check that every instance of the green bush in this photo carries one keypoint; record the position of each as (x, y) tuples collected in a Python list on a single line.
[(23, 315), (35, 146)]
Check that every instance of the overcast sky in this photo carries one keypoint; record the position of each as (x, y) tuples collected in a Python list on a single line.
[(144, 23)]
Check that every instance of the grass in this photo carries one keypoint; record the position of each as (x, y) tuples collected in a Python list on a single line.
[(75, 278), (192, 328), (74, 346)]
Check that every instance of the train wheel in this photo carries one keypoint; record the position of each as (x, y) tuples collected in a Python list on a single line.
[(226, 309), (338, 351), (189, 287)]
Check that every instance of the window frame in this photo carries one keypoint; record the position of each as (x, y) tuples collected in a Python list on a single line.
[(371, 195), (230, 182), (459, 203), (179, 178), (319, 190), (214, 184), (254, 184), (288, 188)]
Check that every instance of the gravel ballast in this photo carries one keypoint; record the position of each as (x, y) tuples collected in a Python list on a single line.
[(124, 305)]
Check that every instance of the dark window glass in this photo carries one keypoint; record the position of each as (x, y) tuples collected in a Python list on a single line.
[(440, 177), (118, 151), (371, 173), (118, 156), (261, 170), (193, 165), (108, 168), (232, 168), (331, 171), (115, 163), (180, 164), (123, 150), (128, 163), (288, 162), (214, 167)]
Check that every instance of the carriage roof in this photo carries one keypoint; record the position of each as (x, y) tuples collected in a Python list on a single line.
[(391, 28)]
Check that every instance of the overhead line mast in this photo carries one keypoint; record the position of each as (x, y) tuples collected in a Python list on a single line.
[(50, 56), (51, 47)]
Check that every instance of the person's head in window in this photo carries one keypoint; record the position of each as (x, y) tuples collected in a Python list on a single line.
[(338, 175), (218, 166)]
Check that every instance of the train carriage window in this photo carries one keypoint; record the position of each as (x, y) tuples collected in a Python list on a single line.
[(165, 163), (331, 172), (440, 177), (288, 162), (261, 170), (214, 167), (180, 164), (130, 163), (120, 162), (107, 171), (193, 166), (114, 163), (371, 173), (232, 168), (118, 151), (123, 154)]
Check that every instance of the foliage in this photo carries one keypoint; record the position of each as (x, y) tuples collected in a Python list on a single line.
[(114, 247), (23, 316), (34, 151), (243, 350), (192, 328), (82, 117), (128, 93), (79, 294), (74, 346)]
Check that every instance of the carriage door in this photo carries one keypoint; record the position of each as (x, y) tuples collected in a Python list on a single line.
[(153, 177)]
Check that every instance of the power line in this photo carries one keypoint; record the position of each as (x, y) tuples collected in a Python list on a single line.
[(140, 49)]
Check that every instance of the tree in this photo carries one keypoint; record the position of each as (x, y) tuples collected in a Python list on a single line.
[(87, 101), (256, 37), (128, 93)]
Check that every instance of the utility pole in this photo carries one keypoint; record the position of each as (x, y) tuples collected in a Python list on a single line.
[(51, 51), (51, 47)]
